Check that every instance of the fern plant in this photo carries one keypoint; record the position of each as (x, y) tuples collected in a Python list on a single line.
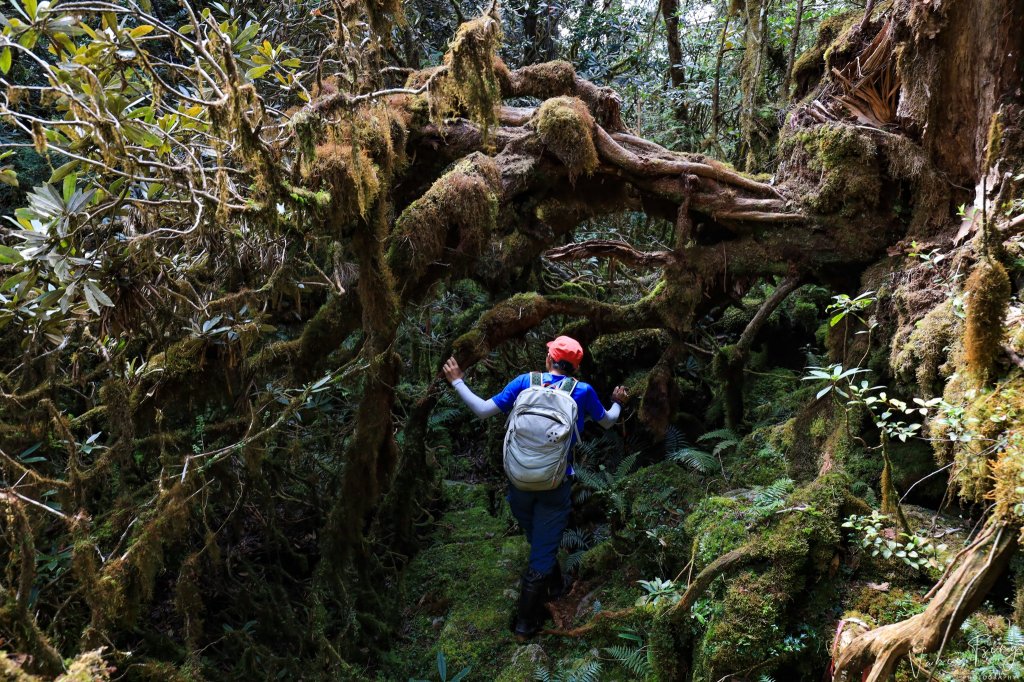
[(605, 481), (771, 497), (576, 542), (702, 461), (635, 657)]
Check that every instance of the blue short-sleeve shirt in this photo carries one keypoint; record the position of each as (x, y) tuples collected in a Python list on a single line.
[(587, 402)]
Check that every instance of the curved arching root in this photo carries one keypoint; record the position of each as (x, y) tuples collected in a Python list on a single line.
[(964, 587)]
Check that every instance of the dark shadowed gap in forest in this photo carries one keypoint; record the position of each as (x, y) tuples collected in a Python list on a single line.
[(242, 238)]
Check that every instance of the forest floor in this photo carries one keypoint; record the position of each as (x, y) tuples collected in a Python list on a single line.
[(460, 592)]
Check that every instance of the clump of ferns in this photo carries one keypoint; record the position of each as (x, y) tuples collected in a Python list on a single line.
[(605, 482), (704, 462), (576, 542), (987, 654), (635, 656)]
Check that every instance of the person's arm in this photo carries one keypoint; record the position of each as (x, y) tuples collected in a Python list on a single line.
[(611, 415), (596, 411), (477, 405)]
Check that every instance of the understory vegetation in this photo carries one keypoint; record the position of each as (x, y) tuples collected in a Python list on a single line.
[(239, 240)]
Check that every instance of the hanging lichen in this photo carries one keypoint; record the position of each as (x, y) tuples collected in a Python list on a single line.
[(988, 295), (566, 128), (470, 85)]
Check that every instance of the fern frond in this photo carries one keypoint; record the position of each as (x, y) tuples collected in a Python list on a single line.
[(698, 460), (591, 478), (626, 466), (589, 672), (1014, 637), (633, 659), (585, 450), (674, 440), (718, 434), (576, 538), (725, 444), (573, 561), (441, 416), (773, 495)]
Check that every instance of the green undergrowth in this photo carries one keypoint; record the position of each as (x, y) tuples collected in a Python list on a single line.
[(460, 592)]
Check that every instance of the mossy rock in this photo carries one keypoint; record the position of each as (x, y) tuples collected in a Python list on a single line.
[(718, 526)]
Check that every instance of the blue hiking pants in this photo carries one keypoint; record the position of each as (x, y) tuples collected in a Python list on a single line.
[(543, 516)]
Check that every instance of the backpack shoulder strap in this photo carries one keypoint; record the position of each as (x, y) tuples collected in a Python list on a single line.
[(568, 385), (536, 379)]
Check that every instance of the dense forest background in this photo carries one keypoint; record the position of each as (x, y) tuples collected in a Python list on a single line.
[(240, 238)]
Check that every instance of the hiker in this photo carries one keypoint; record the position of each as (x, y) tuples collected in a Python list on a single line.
[(546, 415)]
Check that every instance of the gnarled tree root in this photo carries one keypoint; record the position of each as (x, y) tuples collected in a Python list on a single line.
[(965, 586)]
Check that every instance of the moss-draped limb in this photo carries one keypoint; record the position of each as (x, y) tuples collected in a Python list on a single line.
[(988, 297), (448, 227), (371, 454), (557, 79), (879, 651), (15, 617), (566, 129), (517, 315)]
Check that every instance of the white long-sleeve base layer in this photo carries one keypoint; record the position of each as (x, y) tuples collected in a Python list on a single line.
[(487, 408)]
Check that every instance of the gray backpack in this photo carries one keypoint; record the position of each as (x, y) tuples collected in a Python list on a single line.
[(539, 433)]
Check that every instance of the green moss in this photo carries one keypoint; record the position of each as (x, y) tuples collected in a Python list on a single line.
[(182, 359), (460, 592), (847, 162), (459, 496), (452, 221), (471, 84), (920, 358), (566, 128), (717, 525), (989, 414), (525, 662), (988, 297)]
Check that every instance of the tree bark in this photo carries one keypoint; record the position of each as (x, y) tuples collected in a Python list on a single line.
[(794, 39), (676, 71)]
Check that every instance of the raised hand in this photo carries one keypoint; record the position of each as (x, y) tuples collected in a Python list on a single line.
[(620, 395), (452, 371)]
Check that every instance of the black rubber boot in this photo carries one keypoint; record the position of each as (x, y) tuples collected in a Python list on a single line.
[(557, 586), (533, 592)]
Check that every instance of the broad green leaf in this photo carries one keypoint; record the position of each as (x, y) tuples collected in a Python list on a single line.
[(98, 295), (62, 172), (257, 71), (9, 255), (28, 39), (70, 180), (140, 31), (5, 60)]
